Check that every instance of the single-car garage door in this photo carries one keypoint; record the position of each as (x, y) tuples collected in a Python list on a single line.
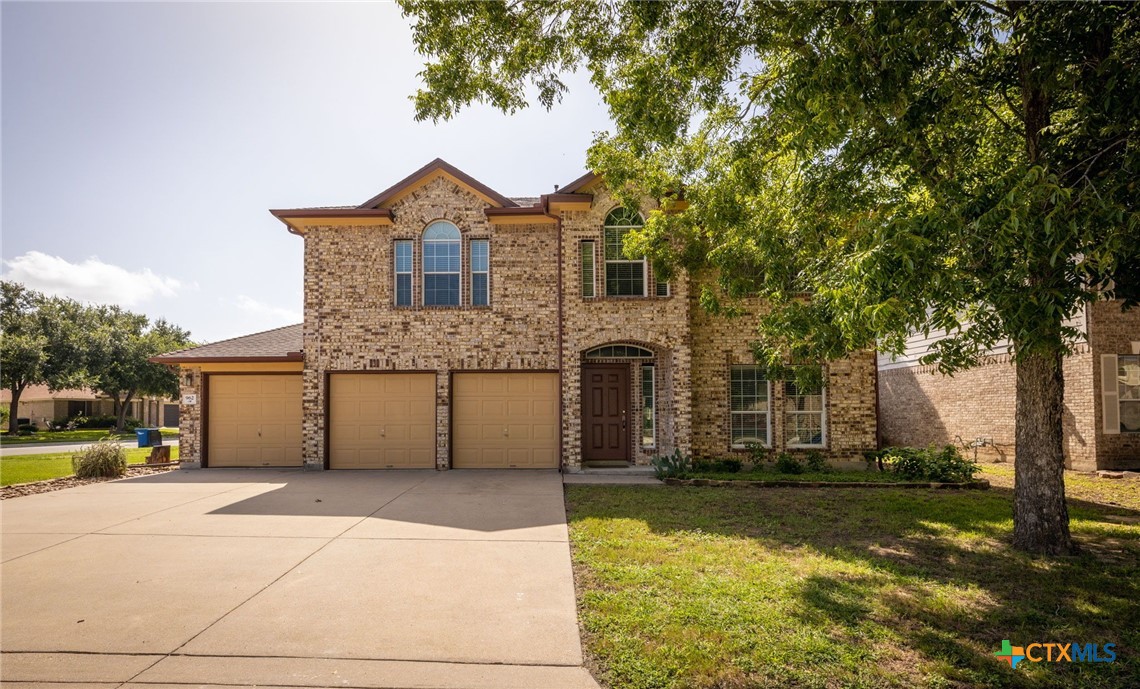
[(382, 421), (254, 421), (505, 420)]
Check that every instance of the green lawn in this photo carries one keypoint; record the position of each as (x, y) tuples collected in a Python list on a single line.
[(25, 468), (716, 587), (85, 435)]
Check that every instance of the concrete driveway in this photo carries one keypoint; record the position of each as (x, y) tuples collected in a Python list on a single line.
[(286, 578)]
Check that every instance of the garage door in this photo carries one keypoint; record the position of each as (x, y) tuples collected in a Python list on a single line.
[(505, 420), (254, 421), (382, 421)]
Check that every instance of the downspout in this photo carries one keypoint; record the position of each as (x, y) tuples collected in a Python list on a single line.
[(545, 201), (875, 362)]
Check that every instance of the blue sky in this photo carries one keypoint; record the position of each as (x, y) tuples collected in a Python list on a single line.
[(143, 144)]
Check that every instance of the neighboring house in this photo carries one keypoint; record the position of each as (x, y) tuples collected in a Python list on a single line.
[(41, 406), (447, 326), (1101, 421)]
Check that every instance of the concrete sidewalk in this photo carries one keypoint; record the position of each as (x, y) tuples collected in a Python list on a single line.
[(284, 578), (20, 449)]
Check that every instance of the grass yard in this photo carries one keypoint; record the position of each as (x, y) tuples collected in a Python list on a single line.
[(803, 587), (25, 468), (84, 435), (770, 474)]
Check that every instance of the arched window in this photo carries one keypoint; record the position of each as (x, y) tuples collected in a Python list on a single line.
[(441, 241), (619, 352), (624, 278)]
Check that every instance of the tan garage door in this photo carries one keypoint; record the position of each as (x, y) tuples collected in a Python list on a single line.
[(254, 421), (505, 420), (382, 421)]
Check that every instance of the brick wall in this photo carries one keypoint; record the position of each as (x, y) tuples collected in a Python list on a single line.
[(1112, 331), (660, 324), (190, 417), (719, 343), (351, 323), (919, 406)]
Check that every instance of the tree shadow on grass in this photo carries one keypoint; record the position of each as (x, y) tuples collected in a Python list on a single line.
[(928, 577)]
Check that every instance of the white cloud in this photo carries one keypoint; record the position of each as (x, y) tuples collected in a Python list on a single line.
[(266, 311), (90, 280)]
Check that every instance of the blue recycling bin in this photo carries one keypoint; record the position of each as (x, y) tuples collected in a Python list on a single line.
[(148, 437)]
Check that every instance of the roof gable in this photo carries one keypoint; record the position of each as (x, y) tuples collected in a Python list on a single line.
[(433, 170)]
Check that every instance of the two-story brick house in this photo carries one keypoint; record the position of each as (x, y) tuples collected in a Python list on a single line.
[(449, 326)]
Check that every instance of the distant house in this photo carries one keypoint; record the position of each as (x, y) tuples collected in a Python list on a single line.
[(919, 406), (449, 326), (41, 406)]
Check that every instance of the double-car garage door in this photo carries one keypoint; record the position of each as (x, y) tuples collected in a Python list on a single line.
[(388, 420)]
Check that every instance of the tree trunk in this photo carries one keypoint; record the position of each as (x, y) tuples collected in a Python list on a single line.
[(14, 410), (1040, 517), (121, 411)]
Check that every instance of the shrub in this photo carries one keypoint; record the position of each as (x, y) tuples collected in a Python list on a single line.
[(98, 422), (787, 464), (758, 454), (676, 465), (104, 458), (28, 428), (727, 465), (945, 464), (816, 463)]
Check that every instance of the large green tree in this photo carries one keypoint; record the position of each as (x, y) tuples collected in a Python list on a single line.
[(965, 168), (41, 343), (119, 347)]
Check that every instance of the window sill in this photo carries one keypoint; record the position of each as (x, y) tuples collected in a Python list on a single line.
[(822, 446)]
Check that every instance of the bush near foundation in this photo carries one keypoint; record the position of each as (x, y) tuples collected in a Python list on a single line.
[(942, 464)]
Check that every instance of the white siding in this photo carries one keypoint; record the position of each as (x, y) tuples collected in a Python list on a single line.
[(918, 345)]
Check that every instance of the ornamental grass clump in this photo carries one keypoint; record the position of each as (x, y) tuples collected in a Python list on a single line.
[(105, 458)]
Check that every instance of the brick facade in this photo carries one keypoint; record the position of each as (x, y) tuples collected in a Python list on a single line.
[(352, 324), (919, 406)]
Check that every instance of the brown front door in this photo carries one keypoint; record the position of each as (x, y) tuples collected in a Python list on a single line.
[(605, 412)]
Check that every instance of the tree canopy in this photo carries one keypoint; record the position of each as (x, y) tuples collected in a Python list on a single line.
[(62, 343), (960, 168)]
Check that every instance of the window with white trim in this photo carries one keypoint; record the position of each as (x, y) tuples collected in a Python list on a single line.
[(749, 405), (480, 272), (624, 277), (441, 241), (586, 255), (648, 406), (403, 270), (804, 422), (1128, 392)]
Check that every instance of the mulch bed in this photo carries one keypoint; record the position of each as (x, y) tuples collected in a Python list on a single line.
[(22, 489), (970, 485)]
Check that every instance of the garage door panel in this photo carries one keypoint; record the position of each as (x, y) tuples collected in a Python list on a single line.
[(524, 404), (382, 420), (254, 420)]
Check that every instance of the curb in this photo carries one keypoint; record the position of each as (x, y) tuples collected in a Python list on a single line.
[(715, 483)]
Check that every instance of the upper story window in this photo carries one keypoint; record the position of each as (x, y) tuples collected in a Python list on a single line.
[(403, 271), (480, 272), (441, 241), (624, 278)]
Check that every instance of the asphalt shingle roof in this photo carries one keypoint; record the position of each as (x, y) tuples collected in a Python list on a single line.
[(280, 343)]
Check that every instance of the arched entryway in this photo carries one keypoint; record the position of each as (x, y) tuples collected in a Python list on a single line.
[(620, 406)]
